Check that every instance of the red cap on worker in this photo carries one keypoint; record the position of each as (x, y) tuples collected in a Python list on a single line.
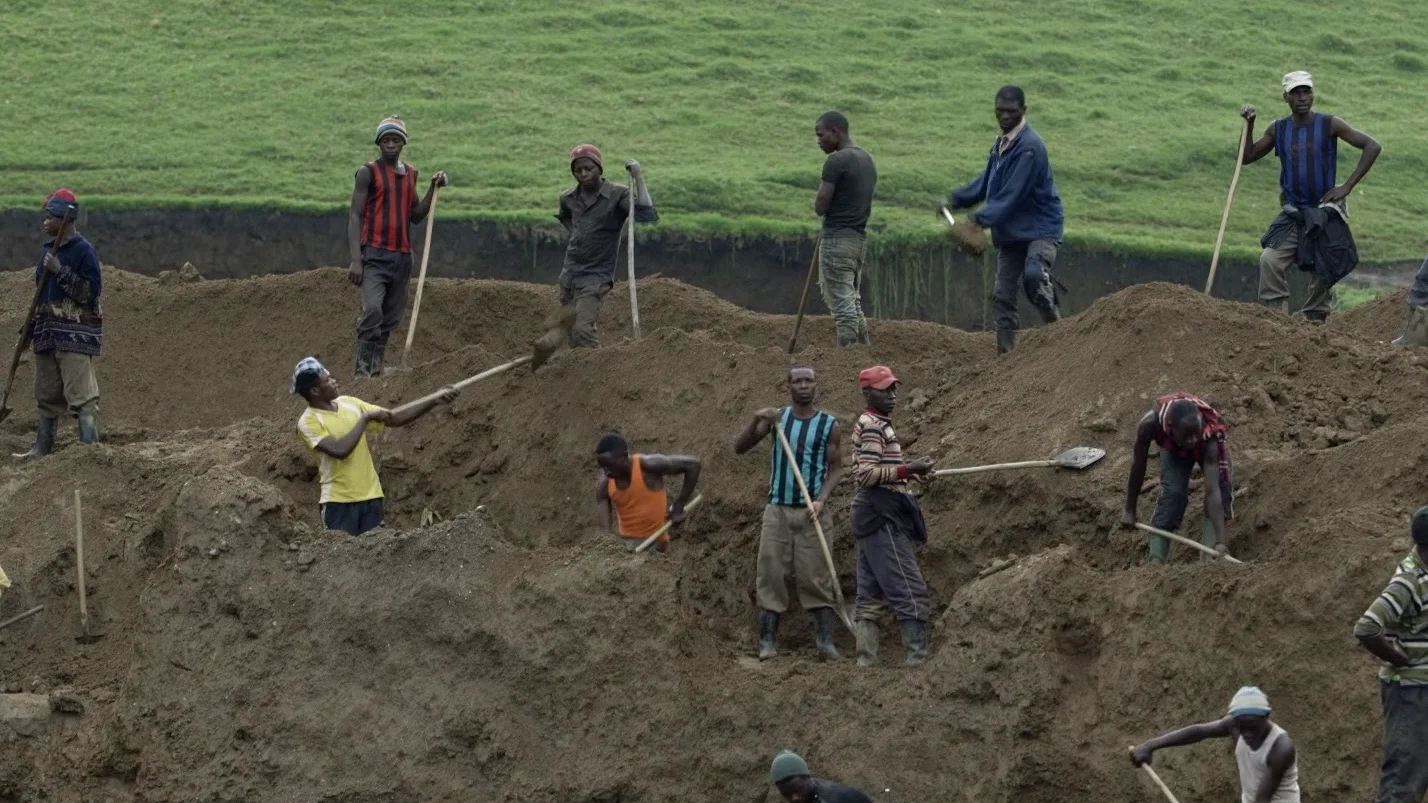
[(586, 152), (879, 377)]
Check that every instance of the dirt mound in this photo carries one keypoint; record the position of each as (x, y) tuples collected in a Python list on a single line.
[(510, 652), (1380, 319)]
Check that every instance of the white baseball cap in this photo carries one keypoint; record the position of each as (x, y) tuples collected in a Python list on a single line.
[(1298, 78)]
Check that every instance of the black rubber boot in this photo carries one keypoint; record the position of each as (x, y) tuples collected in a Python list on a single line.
[(914, 642), (366, 356), (44, 439), (1006, 340), (1415, 329), (768, 635), (824, 620), (379, 356), (867, 643), (89, 423)]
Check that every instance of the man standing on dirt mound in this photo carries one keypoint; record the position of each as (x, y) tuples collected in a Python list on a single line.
[(1268, 764), (1395, 630), (844, 201), (595, 212), (67, 328), (384, 207), (887, 524), (1024, 212), (334, 427), (1313, 207), (789, 774), (1189, 432), (630, 494), (787, 540)]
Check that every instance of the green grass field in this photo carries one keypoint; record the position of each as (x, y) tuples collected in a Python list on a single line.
[(255, 103)]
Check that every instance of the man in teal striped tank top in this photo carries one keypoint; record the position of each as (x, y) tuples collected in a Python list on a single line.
[(788, 540)]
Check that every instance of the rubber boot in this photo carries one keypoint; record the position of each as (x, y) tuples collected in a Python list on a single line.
[(366, 354), (823, 625), (914, 642), (44, 439), (1006, 340), (1051, 315), (1281, 306), (89, 423), (768, 635), (379, 353), (867, 643), (1315, 316), (1415, 329)]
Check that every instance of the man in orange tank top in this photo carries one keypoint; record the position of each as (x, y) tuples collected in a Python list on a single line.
[(384, 207), (630, 494)]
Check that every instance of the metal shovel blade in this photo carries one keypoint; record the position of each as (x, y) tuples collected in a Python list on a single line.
[(1079, 457)]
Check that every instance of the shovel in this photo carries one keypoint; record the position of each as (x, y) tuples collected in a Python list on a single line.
[(84, 637), (1180, 539), (1077, 458), (27, 327), (557, 325), (26, 615), (1155, 776), (421, 277), (648, 542), (841, 607)]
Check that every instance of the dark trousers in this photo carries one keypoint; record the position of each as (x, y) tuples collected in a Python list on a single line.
[(1028, 266), (1405, 744), (888, 577), (587, 300), (384, 293), (1175, 497), (353, 518)]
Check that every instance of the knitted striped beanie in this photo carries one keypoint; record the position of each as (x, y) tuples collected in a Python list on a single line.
[(391, 125), (1249, 701)]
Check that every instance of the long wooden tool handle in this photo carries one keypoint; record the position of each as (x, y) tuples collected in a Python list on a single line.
[(1154, 776), (948, 214), (26, 615), (25, 329), (468, 381), (634, 297), (421, 276), (817, 527), (1229, 200), (648, 542), (942, 472), (79, 560), (803, 300), (1186, 541)]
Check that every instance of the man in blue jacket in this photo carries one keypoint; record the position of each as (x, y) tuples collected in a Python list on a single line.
[(1024, 213)]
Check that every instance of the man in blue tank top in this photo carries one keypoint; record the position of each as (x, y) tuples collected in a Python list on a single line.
[(788, 540), (1306, 143)]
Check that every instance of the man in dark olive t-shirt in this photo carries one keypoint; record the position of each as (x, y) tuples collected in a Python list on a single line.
[(845, 198)]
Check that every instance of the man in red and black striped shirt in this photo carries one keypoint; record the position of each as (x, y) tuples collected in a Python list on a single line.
[(384, 207)]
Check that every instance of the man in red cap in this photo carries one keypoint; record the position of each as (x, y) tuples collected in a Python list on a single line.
[(887, 524), (594, 211), (67, 328), (384, 207)]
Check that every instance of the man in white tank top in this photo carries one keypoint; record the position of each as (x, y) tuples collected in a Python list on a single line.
[(1269, 768)]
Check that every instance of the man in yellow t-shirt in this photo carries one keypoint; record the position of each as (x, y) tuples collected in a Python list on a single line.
[(334, 427)]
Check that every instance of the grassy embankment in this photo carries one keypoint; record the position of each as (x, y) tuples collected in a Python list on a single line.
[(142, 104)]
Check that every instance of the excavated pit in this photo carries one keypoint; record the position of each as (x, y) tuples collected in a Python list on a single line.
[(509, 652)]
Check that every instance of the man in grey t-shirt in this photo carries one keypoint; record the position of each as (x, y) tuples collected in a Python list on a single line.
[(844, 200)]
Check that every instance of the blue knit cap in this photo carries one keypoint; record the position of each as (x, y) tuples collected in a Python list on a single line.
[(391, 125), (1249, 701)]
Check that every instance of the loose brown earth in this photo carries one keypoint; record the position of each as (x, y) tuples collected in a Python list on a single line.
[(510, 653)]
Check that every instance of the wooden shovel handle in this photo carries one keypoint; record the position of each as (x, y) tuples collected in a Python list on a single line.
[(468, 381), (648, 542), (1187, 542), (995, 467), (1155, 776)]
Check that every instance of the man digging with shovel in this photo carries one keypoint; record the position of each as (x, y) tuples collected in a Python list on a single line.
[(630, 493), (384, 207), (594, 211), (887, 524), (66, 327), (1189, 432), (787, 540), (1267, 760)]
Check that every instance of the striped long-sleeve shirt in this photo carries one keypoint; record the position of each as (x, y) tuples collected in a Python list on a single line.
[(1400, 612), (877, 456)]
